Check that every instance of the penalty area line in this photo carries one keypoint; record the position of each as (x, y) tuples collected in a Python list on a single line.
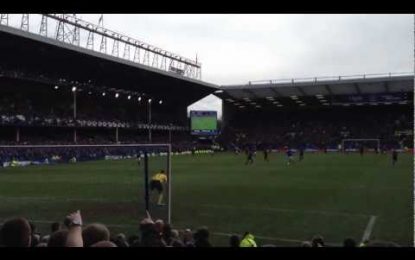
[(322, 212)]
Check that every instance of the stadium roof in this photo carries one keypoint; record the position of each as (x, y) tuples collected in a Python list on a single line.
[(312, 90), (342, 85), (21, 49)]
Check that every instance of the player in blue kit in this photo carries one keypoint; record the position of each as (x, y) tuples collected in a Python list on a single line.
[(250, 156), (290, 158), (394, 157), (301, 153)]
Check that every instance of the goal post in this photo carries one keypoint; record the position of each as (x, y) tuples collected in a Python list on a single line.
[(142, 161), (353, 144)]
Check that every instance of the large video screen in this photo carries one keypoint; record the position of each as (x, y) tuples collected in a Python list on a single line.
[(203, 122)]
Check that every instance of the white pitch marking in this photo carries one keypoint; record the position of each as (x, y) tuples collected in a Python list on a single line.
[(201, 205), (288, 210), (369, 228)]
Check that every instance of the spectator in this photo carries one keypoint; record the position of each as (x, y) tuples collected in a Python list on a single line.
[(188, 238), (201, 237), (55, 227), (35, 239), (45, 239), (42, 245), (94, 233), (248, 240), (159, 224), (74, 223), (234, 241), (58, 239), (177, 243), (104, 244), (167, 234), (317, 241), (134, 241), (349, 242), (175, 234), (120, 240), (171, 237), (149, 235), (306, 244), (16, 233)]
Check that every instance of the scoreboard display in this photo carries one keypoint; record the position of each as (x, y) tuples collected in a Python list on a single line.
[(203, 122)]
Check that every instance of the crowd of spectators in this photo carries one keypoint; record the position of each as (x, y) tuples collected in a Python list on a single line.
[(322, 130), (54, 150), (67, 154), (73, 232), (44, 103), (52, 120)]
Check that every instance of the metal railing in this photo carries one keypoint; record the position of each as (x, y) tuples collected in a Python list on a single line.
[(71, 30), (329, 78)]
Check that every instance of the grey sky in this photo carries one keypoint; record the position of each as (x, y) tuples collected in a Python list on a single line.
[(235, 49), (238, 48)]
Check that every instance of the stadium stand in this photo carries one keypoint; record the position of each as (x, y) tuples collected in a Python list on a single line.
[(323, 129), (318, 114)]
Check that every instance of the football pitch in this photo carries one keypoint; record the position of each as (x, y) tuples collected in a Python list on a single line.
[(334, 195)]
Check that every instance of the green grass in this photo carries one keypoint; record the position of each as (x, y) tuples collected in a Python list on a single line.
[(329, 194), (204, 123)]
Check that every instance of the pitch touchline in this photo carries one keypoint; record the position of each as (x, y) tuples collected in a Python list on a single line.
[(201, 205), (288, 210)]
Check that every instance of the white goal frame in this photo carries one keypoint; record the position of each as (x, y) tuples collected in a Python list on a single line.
[(168, 146), (360, 140)]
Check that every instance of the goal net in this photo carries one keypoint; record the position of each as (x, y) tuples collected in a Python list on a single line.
[(353, 145), (110, 184)]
